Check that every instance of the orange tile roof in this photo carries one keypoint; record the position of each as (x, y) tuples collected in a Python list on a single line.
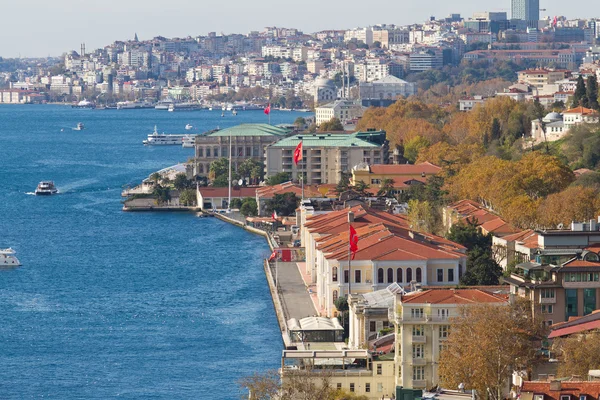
[(519, 236), (580, 263), (580, 110), (426, 168), (573, 388), (269, 192), (454, 296)]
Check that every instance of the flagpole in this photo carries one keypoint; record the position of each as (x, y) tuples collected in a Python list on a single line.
[(229, 185), (276, 276), (349, 257)]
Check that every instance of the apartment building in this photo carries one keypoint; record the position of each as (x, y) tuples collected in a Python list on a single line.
[(540, 77), (325, 155), (344, 110), (389, 88), (402, 175), (422, 321)]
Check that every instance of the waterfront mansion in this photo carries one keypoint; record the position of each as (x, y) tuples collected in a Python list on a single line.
[(389, 251)]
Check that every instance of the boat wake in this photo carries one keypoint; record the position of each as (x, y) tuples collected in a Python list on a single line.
[(30, 193)]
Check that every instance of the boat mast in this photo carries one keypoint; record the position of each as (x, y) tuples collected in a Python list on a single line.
[(229, 198)]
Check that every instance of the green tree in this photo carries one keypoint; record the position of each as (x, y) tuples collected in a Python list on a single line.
[(278, 178), (482, 269), (285, 204), (413, 146), (236, 203), (496, 131), (423, 216), (334, 124), (155, 177), (592, 92), (161, 195), (249, 207), (344, 183), (362, 188), (181, 182), (187, 197), (468, 235), (250, 168), (300, 122), (580, 93)]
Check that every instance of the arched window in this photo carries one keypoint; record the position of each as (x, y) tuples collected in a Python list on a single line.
[(335, 296), (334, 274), (380, 275), (419, 277), (399, 275), (408, 275), (390, 275)]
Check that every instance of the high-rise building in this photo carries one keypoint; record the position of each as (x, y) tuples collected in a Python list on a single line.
[(526, 10)]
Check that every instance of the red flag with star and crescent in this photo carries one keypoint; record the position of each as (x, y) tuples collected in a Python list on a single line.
[(268, 109), (298, 153), (353, 241), (273, 255)]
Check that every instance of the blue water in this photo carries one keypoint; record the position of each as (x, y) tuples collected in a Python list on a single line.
[(112, 304)]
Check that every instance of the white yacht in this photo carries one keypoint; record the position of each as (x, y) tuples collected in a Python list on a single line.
[(189, 127), (45, 188), (84, 104), (162, 139), (79, 127), (8, 259)]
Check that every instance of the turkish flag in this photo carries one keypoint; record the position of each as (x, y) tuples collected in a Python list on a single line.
[(273, 255), (274, 215), (298, 153), (268, 109), (353, 241)]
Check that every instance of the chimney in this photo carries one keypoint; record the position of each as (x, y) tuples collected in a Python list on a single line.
[(555, 385), (350, 217)]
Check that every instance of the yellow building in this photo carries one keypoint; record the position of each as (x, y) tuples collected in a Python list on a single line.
[(422, 321), (402, 175)]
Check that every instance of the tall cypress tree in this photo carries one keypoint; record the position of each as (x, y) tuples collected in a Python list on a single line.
[(580, 93), (592, 92)]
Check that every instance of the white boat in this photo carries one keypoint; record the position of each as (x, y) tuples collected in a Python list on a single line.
[(79, 127), (164, 104), (188, 127), (84, 104), (8, 259), (45, 188), (188, 141), (234, 112), (162, 139)]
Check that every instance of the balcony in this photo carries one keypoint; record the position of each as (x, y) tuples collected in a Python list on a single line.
[(547, 300), (419, 339), (419, 361)]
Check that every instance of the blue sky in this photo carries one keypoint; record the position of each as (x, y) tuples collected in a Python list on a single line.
[(33, 28)]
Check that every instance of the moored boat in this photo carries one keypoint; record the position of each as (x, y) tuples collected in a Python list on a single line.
[(8, 259)]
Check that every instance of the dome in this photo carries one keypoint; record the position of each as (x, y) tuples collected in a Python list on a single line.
[(552, 117), (320, 82)]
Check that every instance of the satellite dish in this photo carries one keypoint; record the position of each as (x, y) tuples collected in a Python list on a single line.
[(560, 226), (240, 182)]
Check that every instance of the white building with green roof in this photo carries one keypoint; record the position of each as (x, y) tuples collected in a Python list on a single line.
[(247, 141), (325, 155)]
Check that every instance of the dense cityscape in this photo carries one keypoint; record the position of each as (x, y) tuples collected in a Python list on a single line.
[(429, 195)]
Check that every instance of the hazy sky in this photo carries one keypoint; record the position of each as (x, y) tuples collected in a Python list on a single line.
[(32, 28)]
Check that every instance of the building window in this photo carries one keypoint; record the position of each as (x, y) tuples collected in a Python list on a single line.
[(418, 350), (380, 275), (200, 152), (399, 275), (379, 369), (419, 275), (334, 274), (443, 347), (208, 152), (352, 387), (372, 326), (419, 374), (216, 152), (408, 275), (339, 385), (335, 295), (547, 309), (443, 331), (367, 387), (589, 301), (416, 313), (440, 275), (443, 313), (224, 151), (357, 276), (565, 397), (346, 275), (571, 302), (547, 293), (450, 275), (418, 330), (390, 275)]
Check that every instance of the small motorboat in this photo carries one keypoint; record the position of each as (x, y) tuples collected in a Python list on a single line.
[(79, 127), (8, 259), (188, 127)]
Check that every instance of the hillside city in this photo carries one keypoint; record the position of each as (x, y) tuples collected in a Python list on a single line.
[(434, 225)]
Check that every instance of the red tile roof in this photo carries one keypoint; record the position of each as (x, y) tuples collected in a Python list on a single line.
[(224, 191), (580, 263), (591, 389), (580, 110), (454, 296), (269, 192)]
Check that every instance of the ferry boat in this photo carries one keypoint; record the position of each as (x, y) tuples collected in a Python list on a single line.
[(185, 107), (162, 139), (8, 259), (164, 104), (188, 141), (45, 188), (79, 127), (133, 105)]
